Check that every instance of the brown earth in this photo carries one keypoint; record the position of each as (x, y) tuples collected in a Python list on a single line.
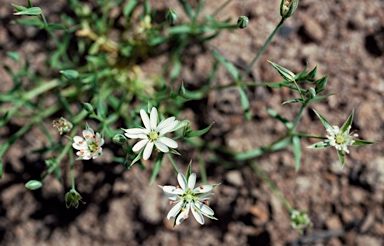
[(344, 38)]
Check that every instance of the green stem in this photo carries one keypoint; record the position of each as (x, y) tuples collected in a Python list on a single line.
[(173, 163), (262, 49), (272, 186), (298, 117)]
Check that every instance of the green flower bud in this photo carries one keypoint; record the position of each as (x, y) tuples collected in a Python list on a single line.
[(62, 125), (321, 83), (171, 16), (310, 93), (88, 107), (72, 198), (119, 139), (288, 7), (300, 220), (33, 184), (242, 22)]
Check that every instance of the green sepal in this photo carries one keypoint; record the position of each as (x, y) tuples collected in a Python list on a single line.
[(286, 122), (33, 184), (285, 73), (138, 157), (321, 83), (188, 173), (312, 74), (323, 121), (296, 151)]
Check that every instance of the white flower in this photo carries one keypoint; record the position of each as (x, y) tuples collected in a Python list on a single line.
[(153, 134), (88, 147), (186, 198), (340, 140)]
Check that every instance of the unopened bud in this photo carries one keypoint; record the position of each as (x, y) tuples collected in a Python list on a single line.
[(72, 198), (62, 125), (288, 7), (119, 139), (242, 22), (171, 16), (310, 93), (33, 184)]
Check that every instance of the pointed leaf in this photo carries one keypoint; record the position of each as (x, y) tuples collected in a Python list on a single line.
[(323, 120), (293, 101), (319, 145), (347, 123), (283, 120), (228, 65), (188, 171), (317, 98), (29, 11), (244, 103), (192, 134), (360, 142), (285, 73)]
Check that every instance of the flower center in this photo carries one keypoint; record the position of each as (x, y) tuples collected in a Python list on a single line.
[(92, 147), (189, 196), (153, 136), (340, 139)]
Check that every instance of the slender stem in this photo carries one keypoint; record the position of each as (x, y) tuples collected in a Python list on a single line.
[(298, 117), (173, 163), (272, 186), (262, 49)]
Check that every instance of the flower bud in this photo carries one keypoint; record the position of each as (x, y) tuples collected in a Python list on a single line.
[(171, 16), (88, 107), (242, 22), (119, 139), (72, 198), (310, 93), (62, 125), (33, 184), (321, 83), (288, 7), (300, 220)]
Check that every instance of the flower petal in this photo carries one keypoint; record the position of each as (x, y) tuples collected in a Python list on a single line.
[(204, 197), (162, 147), (174, 210), (165, 123), (153, 118), (192, 181), (148, 150), (169, 142), (169, 127), (88, 134), (139, 145), (183, 215), (203, 189), (145, 119), (182, 181), (198, 216), (204, 208), (136, 133)]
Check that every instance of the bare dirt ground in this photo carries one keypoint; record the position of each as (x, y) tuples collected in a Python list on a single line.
[(344, 38)]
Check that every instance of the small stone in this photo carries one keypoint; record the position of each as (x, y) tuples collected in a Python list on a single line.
[(234, 178), (334, 223), (367, 223), (313, 30)]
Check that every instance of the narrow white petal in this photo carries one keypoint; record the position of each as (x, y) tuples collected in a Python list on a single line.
[(198, 216), (148, 150), (182, 181), (169, 127), (162, 147), (153, 118), (183, 215), (192, 181), (174, 210), (139, 145), (169, 142), (165, 123), (172, 190), (203, 189), (145, 119), (88, 133), (136, 133), (204, 208)]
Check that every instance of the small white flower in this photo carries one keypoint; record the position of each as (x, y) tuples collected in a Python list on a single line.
[(153, 134), (300, 220), (88, 147), (186, 198), (340, 140)]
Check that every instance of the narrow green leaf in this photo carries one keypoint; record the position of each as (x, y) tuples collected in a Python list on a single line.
[(244, 102), (347, 123), (188, 171), (56, 26), (129, 7), (180, 29), (229, 66), (187, 8), (296, 100), (138, 157), (29, 11), (274, 114), (360, 142), (19, 7), (341, 155), (156, 169), (70, 74), (30, 22), (13, 55), (319, 145), (323, 120), (296, 151), (317, 98), (101, 107), (192, 134), (249, 154)]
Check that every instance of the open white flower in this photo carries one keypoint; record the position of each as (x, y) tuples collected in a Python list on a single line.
[(153, 134), (186, 198), (88, 147), (340, 140)]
